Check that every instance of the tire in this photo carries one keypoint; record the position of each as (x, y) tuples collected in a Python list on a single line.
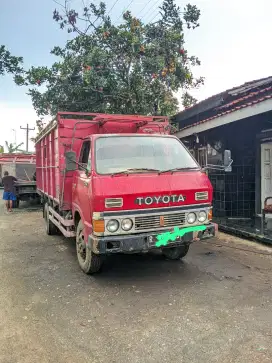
[(89, 262), (50, 228), (16, 203), (175, 253)]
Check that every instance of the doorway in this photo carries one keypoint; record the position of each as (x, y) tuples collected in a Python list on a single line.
[(266, 172)]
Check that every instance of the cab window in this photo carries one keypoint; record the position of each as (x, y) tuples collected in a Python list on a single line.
[(84, 157)]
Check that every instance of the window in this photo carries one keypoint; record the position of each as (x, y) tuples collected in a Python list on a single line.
[(84, 158), (119, 153)]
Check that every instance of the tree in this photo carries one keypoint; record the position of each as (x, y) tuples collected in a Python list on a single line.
[(132, 68), (12, 148), (9, 63)]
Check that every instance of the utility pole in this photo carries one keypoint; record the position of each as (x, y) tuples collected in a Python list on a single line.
[(27, 128), (15, 139)]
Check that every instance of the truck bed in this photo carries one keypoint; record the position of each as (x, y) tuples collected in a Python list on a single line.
[(25, 184), (24, 188), (66, 132)]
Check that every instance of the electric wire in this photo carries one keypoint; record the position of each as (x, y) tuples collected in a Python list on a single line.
[(124, 10), (152, 8), (143, 8), (116, 1)]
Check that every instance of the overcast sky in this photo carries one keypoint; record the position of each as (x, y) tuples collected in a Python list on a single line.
[(233, 43)]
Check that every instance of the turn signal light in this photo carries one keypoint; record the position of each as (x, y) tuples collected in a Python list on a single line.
[(99, 225), (210, 215)]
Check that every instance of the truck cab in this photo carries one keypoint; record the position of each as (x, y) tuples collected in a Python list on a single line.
[(133, 193)]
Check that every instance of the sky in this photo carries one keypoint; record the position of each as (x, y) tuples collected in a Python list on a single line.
[(233, 43)]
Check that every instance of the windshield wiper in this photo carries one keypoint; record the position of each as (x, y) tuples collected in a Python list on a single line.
[(143, 169), (128, 171), (178, 169), (120, 172)]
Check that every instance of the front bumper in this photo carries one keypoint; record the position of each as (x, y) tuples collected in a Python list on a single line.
[(145, 241)]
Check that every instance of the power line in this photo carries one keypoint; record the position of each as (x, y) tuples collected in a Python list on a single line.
[(154, 17), (116, 1), (152, 8), (144, 8), (112, 7), (125, 10)]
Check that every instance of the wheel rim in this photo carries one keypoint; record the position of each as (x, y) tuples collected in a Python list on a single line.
[(81, 246), (173, 253)]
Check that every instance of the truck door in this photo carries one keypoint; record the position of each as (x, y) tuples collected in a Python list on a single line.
[(81, 186)]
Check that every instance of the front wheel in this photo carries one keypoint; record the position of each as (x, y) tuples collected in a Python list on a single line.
[(88, 261), (175, 253)]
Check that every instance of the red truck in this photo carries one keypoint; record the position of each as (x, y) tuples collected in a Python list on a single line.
[(23, 167), (121, 184)]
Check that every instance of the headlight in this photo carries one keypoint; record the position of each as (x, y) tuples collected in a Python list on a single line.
[(112, 225), (202, 216), (191, 218), (126, 224)]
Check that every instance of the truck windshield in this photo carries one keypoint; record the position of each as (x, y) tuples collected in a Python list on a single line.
[(141, 153)]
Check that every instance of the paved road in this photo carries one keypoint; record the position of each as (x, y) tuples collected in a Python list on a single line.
[(215, 306)]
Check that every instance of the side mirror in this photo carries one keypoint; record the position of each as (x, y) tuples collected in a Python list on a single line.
[(70, 161), (227, 161)]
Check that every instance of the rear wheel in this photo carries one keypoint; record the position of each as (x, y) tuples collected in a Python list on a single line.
[(88, 261), (50, 228), (175, 253)]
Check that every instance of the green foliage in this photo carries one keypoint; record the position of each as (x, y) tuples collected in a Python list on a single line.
[(12, 148), (131, 68), (9, 63), (188, 100)]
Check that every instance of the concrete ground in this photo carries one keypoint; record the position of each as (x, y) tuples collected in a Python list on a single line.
[(214, 306)]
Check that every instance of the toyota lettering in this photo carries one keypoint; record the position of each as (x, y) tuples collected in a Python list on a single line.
[(165, 199)]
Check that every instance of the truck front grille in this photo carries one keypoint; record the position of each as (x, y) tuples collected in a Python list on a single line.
[(157, 221)]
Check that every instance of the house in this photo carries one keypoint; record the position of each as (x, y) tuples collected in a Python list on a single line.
[(239, 120)]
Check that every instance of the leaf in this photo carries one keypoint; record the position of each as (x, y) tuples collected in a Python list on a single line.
[(110, 68), (9, 63), (11, 148)]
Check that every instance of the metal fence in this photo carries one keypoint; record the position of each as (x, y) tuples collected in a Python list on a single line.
[(234, 193)]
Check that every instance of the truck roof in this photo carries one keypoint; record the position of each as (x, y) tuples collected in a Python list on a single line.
[(133, 134), (69, 120)]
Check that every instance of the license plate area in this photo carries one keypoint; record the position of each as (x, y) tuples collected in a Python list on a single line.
[(170, 237), (153, 239)]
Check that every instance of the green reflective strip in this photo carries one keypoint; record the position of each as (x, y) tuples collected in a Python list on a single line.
[(164, 238)]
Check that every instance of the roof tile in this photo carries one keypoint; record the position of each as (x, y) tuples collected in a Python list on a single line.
[(246, 101)]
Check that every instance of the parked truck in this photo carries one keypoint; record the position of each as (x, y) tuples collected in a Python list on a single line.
[(121, 184), (23, 167)]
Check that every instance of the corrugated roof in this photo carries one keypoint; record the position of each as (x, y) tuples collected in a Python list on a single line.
[(232, 100)]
